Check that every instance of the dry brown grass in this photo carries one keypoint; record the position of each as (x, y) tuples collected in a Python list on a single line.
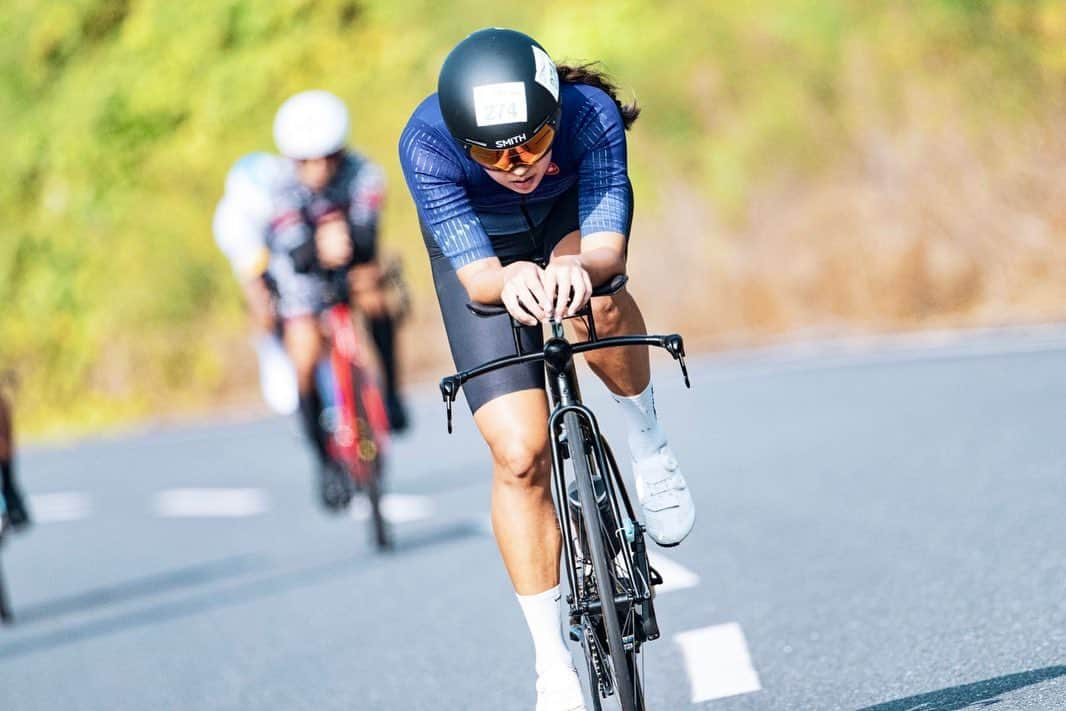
[(929, 225)]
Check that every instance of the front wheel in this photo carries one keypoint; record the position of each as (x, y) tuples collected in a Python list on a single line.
[(606, 627), (372, 426), (377, 515)]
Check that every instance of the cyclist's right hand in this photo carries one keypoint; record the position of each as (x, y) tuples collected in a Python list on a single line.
[(333, 241), (523, 293)]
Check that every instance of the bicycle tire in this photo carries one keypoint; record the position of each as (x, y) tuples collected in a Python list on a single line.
[(622, 662), (377, 515), (365, 389)]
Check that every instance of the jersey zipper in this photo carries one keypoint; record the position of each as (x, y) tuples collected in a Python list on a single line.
[(529, 227)]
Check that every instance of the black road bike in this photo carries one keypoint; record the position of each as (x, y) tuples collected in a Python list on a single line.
[(611, 584)]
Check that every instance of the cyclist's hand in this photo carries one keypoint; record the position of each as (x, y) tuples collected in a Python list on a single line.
[(567, 285), (523, 293), (365, 281), (333, 242)]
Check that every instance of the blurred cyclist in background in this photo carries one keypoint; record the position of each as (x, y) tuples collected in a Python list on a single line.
[(17, 515), (283, 218), (327, 220)]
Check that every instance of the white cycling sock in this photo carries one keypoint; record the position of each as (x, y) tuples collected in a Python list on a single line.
[(542, 616), (646, 437)]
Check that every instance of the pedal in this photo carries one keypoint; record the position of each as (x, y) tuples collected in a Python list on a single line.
[(575, 633)]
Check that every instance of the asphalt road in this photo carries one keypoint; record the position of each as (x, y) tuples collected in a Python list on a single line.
[(879, 529)]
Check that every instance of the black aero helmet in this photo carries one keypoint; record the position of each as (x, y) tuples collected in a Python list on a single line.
[(497, 88)]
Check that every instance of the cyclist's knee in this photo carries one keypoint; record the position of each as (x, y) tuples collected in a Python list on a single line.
[(608, 313), (520, 463)]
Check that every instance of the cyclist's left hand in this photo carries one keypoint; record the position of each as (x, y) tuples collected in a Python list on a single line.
[(567, 284)]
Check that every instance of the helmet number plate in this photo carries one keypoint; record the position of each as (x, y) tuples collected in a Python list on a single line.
[(496, 104)]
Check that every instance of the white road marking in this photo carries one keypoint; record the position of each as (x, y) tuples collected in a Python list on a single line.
[(60, 506), (397, 508), (718, 662), (211, 503), (675, 575)]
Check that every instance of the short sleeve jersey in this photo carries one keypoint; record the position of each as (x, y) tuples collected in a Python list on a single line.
[(461, 206)]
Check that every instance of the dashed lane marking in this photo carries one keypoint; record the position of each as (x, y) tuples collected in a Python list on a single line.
[(210, 503), (675, 575), (718, 662), (60, 506), (397, 508)]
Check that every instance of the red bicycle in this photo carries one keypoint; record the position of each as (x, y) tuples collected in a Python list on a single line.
[(354, 415)]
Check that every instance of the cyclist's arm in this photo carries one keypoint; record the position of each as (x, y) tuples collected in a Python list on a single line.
[(605, 199), (484, 279), (241, 239), (366, 196), (434, 179), (291, 239), (602, 256), (518, 286)]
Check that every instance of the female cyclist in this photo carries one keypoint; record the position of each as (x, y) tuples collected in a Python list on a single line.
[(518, 170)]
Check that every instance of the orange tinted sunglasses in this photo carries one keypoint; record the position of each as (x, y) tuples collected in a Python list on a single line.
[(526, 154)]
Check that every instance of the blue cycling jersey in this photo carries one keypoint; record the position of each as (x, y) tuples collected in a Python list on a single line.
[(461, 205)]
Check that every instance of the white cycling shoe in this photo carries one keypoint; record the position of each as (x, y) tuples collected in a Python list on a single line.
[(669, 513), (560, 691)]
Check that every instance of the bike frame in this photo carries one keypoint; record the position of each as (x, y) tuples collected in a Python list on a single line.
[(587, 441), (564, 397), (356, 441)]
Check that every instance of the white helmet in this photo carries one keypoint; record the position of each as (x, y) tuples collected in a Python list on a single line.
[(311, 124)]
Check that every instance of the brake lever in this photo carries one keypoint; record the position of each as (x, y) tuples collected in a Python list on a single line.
[(675, 346), (449, 389)]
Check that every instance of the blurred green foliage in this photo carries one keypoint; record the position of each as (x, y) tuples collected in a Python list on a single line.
[(120, 118)]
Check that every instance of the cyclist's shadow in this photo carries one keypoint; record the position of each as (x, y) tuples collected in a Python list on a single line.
[(977, 695)]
